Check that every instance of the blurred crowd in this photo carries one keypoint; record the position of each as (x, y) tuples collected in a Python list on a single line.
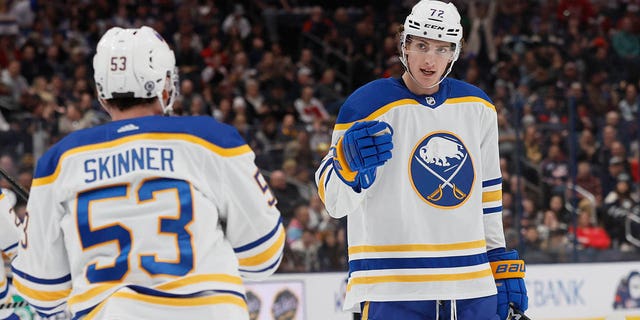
[(563, 75)]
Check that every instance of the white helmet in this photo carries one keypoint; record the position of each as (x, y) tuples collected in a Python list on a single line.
[(435, 20), (135, 63)]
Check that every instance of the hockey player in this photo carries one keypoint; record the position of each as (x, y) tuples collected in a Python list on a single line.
[(424, 226), (148, 216), (8, 248)]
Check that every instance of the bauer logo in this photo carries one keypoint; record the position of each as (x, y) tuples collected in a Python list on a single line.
[(441, 170)]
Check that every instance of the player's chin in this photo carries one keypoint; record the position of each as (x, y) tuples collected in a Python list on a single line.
[(428, 82)]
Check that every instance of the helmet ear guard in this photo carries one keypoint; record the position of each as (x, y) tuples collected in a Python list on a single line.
[(135, 63)]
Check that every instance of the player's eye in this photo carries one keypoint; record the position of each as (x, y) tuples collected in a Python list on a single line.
[(443, 50)]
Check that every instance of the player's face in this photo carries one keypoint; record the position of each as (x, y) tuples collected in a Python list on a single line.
[(428, 59)]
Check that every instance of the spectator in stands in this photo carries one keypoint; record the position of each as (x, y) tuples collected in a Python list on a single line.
[(480, 41), (532, 240), (306, 248), (617, 206), (317, 24), (549, 223), (310, 108), (506, 135), (531, 144), (72, 120), (625, 42), (587, 180), (319, 218), (589, 234), (236, 20), (298, 223), (558, 246), (303, 178), (630, 104), (556, 205), (555, 170), (254, 100), (270, 144), (610, 178), (287, 195), (332, 255), (329, 91), (12, 86), (588, 147)]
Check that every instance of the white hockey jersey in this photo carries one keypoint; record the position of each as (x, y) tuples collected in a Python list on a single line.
[(170, 211), (8, 248), (421, 231)]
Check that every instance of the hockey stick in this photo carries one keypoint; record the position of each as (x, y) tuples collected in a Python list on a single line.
[(19, 190), (13, 305), (515, 313)]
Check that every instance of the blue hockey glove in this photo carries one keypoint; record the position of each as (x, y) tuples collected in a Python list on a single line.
[(508, 271), (364, 147)]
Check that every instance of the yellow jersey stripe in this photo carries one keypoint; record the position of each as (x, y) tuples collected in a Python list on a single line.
[(418, 278), (225, 152), (40, 295), (321, 183), (91, 293), (174, 302), (490, 196), (198, 279), (419, 247), (384, 109), (471, 99), (265, 255)]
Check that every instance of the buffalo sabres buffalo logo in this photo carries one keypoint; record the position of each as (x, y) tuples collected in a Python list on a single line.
[(441, 170)]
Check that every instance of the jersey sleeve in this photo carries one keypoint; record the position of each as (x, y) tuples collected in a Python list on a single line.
[(41, 272), (253, 224), (8, 232), (8, 244), (339, 198), (491, 182)]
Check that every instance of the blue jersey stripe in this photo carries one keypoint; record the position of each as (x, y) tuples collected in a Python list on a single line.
[(156, 293), (259, 241), (327, 178), (492, 182), (33, 279), (10, 247), (324, 167), (417, 263), (491, 210)]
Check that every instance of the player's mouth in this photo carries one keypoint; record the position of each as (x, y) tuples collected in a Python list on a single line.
[(427, 73)]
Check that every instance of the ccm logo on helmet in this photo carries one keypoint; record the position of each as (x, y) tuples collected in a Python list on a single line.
[(431, 26)]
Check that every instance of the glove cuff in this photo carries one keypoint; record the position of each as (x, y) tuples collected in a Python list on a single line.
[(341, 165), (507, 269), (506, 264)]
